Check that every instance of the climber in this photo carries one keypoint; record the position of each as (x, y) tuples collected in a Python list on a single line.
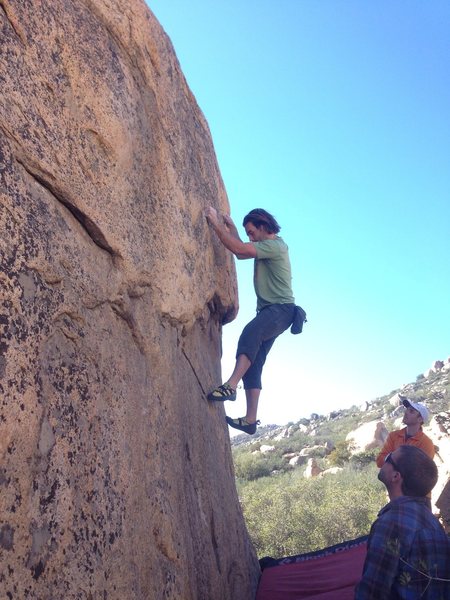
[(275, 306)]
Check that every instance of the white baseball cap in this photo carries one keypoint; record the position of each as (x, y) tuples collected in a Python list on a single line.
[(421, 408)]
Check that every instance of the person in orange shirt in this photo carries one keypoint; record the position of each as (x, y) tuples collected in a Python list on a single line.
[(416, 414)]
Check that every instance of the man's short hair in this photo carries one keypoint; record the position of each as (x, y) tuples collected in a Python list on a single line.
[(261, 218), (419, 472)]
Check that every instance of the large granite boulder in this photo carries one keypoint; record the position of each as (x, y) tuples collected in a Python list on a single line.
[(367, 436), (312, 469), (116, 477)]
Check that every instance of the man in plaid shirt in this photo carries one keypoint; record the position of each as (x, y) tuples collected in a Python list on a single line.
[(408, 552)]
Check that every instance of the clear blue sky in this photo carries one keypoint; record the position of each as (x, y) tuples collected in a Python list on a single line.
[(334, 116)]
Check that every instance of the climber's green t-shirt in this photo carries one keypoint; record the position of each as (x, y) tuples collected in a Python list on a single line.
[(272, 273)]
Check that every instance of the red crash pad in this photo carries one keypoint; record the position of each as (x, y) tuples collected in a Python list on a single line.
[(330, 574)]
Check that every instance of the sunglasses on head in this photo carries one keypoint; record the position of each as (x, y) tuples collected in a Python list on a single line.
[(389, 459)]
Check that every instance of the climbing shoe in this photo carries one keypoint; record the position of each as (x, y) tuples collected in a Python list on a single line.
[(242, 425), (221, 393)]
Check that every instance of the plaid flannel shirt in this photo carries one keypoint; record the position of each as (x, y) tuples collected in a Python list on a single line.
[(406, 546)]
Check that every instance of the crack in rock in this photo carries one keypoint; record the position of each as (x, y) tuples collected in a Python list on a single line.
[(86, 222), (12, 22)]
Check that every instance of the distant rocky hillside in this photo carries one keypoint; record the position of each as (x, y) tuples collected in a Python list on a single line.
[(432, 387), (357, 433)]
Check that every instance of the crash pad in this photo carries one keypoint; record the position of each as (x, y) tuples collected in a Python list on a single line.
[(327, 574)]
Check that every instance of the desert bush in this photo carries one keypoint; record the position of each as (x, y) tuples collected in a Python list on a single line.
[(340, 455), (252, 466), (363, 459), (289, 514)]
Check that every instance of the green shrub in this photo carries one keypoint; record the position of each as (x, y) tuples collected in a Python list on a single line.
[(289, 514), (340, 455), (389, 409), (252, 466), (363, 459)]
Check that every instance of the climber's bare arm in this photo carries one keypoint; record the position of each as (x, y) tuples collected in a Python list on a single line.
[(227, 233)]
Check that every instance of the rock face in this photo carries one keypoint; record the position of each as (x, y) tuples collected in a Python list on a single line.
[(116, 478)]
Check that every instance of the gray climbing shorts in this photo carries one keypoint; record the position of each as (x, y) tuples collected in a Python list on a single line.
[(258, 337)]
